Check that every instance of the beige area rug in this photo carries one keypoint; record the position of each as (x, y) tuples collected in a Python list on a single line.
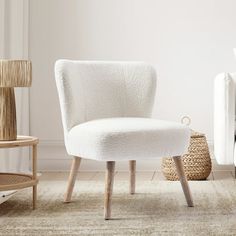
[(158, 208)]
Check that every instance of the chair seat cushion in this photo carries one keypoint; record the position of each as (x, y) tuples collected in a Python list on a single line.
[(116, 139)]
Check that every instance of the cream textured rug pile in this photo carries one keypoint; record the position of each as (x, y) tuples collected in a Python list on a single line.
[(158, 208)]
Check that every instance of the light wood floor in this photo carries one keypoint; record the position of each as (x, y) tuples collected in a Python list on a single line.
[(124, 175)]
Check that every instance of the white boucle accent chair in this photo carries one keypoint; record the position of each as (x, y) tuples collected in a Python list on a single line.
[(106, 109), (224, 118)]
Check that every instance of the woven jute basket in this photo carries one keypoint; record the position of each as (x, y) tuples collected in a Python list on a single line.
[(197, 162)]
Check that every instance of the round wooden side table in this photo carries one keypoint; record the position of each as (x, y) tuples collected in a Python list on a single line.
[(12, 181)]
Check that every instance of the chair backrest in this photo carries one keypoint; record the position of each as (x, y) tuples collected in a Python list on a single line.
[(91, 90)]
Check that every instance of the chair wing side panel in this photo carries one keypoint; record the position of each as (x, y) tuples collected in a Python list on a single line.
[(224, 118)]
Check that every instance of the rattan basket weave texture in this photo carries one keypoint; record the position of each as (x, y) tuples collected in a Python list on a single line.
[(197, 163)]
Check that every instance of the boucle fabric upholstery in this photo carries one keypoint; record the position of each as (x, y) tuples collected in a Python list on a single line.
[(106, 109), (127, 139), (92, 90)]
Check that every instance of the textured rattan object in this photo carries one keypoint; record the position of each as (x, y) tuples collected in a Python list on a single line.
[(197, 163), (13, 73), (8, 178)]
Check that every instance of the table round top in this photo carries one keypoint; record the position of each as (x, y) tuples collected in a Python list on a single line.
[(21, 141)]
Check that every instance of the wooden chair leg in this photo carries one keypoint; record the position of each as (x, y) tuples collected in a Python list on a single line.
[(132, 170), (183, 180), (71, 182), (109, 188)]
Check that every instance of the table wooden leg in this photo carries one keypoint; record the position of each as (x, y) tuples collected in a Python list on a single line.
[(132, 172), (34, 170), (34, 196)]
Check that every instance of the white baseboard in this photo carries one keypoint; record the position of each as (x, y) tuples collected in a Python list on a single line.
[(52, 156)]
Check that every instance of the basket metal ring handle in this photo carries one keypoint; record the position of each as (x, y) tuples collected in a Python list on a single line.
[(186, 120)]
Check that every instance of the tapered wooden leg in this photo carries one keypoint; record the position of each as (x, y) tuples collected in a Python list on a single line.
[(183, 180), (132, 170), (72, 178), (235, 172), (108, 189), (34, 170)]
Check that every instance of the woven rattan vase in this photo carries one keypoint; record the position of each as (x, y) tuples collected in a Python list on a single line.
[(197, 163)]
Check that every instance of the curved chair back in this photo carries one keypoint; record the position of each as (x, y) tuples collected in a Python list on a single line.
[(91, 90)]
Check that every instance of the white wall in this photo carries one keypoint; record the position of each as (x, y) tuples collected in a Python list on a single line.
[(189, 42)]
